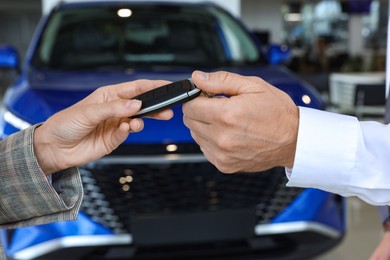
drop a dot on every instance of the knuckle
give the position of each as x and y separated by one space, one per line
137 86
100 90
227 143
236 115
224 77
231 117
222 142
228 118
255 79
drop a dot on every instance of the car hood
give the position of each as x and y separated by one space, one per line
47 92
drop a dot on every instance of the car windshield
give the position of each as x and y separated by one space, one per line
102 37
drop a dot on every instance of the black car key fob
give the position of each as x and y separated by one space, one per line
166 96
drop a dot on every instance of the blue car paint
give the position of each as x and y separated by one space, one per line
9 57
25 237
41 89
313 205
277 54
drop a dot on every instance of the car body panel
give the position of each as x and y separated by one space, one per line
31 238
40 92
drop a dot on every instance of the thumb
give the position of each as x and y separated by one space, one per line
223 82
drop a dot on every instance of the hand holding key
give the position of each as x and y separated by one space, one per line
252 130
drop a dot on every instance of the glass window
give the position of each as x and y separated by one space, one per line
99 38
321 31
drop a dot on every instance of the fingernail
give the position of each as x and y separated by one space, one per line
201 75
133 104
135 125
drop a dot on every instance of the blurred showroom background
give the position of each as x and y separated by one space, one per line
322 38
332 48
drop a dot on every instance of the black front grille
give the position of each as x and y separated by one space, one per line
114 192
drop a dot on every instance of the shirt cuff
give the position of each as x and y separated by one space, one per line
325 151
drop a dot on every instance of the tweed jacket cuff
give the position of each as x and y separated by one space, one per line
26 195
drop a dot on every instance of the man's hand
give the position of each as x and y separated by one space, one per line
253 130
93 127
382 252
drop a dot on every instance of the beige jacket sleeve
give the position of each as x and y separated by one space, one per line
26 195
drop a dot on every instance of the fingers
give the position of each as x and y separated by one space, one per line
223 82
136 125
199 130
120 134
127 90
95 113
128 125
125 127
162 115
207 109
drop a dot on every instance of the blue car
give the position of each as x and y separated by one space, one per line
156 196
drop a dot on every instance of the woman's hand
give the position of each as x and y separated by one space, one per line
93 127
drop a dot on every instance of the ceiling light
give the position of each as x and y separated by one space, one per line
124 12
293 17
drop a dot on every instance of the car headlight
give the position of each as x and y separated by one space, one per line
306 99
13 120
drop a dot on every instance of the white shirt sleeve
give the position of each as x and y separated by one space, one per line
339 154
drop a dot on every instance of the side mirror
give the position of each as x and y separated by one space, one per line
9 58
278 54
